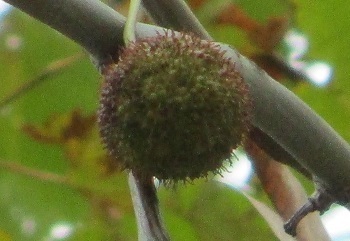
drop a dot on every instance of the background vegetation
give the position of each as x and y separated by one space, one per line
56 182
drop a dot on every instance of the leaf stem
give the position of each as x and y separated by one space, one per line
90 23
130 24
54 68
143 194
34 173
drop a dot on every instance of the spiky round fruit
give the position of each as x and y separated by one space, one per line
173 107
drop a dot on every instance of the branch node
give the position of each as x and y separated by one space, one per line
321 201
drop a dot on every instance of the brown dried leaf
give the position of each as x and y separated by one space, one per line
60 128
78 135
265 36
268 36
195 4
232 14
79 126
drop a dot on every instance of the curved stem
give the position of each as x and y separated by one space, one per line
144 198
90 23
34 173
130 25
51 70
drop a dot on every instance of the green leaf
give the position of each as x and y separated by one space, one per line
32 210
328 43
215 212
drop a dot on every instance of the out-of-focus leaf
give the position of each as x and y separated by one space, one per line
215 212
91 171
5 236
258 37
274 220
179 228
89 163
127 228
74 88
194 4
31 209
62 128
328 42
265 35
263 11
96 229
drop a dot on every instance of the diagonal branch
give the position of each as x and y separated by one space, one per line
90 23
34 173
51 70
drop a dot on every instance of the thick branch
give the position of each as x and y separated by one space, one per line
294 126
90 23
277 111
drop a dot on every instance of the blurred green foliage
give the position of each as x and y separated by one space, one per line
94 204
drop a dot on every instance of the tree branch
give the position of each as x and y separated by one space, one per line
294 126
277 111
90 23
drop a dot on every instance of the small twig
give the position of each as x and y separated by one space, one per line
45 176
49 71
285 191
291 226
289 70
130 24
34 173
275 59
143 194
320 201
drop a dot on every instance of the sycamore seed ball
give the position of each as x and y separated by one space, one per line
173 107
